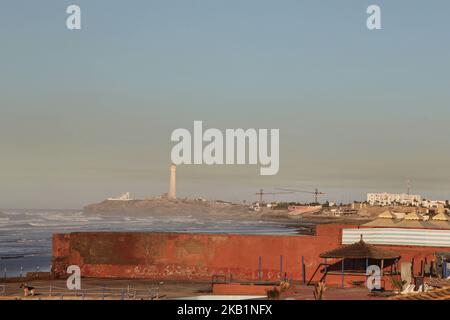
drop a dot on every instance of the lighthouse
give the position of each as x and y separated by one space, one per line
173 182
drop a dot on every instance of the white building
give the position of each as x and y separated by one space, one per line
430 204
123 197
387 199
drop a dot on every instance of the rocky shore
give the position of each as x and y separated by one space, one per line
164 206
155 207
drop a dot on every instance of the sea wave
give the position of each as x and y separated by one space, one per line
4 221
29 232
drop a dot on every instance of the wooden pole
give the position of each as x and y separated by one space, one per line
281 267
303 270
343 272
260 268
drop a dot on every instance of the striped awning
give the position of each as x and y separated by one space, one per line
398 236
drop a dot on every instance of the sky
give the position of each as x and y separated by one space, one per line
87 114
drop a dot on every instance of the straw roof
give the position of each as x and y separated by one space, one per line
414 224
437 294
386 215
382 222
439 283
440 217
360 250
413 216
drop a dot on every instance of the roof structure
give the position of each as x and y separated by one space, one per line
386 215
440 217
360 250
413 216
382 222
439 282
437 294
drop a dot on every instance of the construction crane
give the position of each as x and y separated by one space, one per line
316 192
261 193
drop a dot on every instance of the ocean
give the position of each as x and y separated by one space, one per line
25 235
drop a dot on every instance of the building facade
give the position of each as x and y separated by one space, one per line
387 199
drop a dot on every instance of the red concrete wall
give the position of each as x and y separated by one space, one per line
189 256
180 256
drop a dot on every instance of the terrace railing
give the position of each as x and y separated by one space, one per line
326 265
98 293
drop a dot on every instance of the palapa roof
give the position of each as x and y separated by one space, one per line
360 250
439 283
382 222
437 294
413 216
440 217
414 224
386 215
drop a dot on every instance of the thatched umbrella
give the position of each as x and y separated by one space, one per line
360 250
386 215
441 216
413 216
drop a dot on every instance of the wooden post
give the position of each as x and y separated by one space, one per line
343 272
303 270
444 269
260 268
281 267
382 267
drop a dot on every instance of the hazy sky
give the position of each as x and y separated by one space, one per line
88 114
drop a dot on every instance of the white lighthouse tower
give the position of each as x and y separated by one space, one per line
173 182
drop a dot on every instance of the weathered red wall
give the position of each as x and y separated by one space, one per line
199 256
189 256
